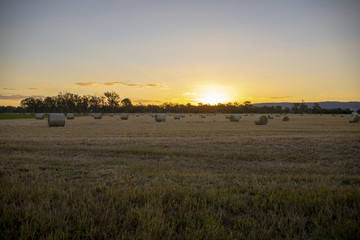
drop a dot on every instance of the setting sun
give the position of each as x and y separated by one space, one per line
213 95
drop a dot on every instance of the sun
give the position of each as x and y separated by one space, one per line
213 95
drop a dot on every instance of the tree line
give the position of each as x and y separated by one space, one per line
111 102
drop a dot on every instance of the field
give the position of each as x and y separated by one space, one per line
181 179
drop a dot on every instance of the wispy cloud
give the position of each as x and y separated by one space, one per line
86 84
138 85
19 97
112 83
33 89
9 89
282 97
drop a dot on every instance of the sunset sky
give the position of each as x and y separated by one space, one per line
181 51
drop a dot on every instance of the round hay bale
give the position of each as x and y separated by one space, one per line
227 116
111 114
160 117
260 120
97 115
270 116
39 116
278 115
70 116
182 115
203 115
177 116
235 117
285 118
354 118
124 116
56 120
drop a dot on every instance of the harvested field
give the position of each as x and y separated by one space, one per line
189 179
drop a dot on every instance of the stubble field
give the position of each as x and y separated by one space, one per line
181 179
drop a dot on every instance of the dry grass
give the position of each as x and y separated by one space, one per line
195 178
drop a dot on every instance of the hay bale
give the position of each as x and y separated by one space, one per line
278 115
137 115
160 117
97 115
111 114
182 115
260 120
177 116
354 118
70 116
245 114
235 117
227 116
203 115
270 116
56 120
285 118
39 116
124 116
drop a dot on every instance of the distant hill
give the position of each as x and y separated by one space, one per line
325 105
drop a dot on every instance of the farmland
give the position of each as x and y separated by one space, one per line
192 178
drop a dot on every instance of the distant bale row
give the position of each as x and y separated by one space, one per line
354 118
235 117
97 115
70 116
124 116
260 120
40 116
56 120
160 117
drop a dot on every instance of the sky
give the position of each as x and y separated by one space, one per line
181 51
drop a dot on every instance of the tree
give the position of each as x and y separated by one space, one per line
295 108
112 100
316 108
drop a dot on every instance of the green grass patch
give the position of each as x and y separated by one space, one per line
16 116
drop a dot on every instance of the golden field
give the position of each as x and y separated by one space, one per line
192 178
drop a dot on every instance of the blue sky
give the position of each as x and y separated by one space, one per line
181 51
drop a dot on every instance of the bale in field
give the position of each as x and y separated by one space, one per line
235 117
56 120
270 116
111 114
182 115
260 120
137 115
278 115
203 115
70 116
285 118
124 116
177 116
160 117
227 116
39 116
354 118
245 114
97 115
